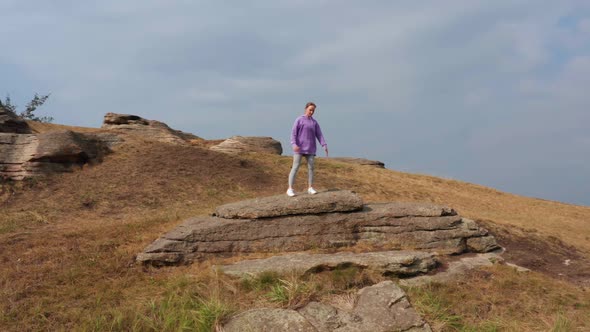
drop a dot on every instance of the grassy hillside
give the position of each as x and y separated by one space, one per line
67 245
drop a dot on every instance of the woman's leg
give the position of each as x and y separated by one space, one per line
294 169
310 167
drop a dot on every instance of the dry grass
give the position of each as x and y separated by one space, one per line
501 299
67 243
41 127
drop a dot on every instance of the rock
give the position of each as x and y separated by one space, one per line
381 226
385 307
482 244
382 307
455 269
283 205
11 123
27 155
124 119
149 129
360 161
391 263
326 318
268 320
238 144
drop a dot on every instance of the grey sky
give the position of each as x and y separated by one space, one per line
491 92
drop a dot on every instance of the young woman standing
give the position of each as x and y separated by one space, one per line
303 136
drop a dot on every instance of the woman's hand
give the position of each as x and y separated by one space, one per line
326 149
296 148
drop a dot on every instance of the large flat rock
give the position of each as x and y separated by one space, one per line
389 226
283 205
395 263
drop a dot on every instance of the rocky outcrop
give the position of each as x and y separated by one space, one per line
360 161
381 226
27 155
379 308
11 123
150 129
238 144
390 263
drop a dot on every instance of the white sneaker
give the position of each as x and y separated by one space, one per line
311 191
290 192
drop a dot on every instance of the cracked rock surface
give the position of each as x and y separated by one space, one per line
379 308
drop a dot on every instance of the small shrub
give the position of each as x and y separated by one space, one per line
291 293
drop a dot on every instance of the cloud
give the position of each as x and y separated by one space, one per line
475 90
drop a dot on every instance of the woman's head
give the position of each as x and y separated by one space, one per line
309 109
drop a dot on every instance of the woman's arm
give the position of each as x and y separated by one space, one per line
320 137
294 135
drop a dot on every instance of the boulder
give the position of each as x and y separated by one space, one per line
383 226
149 129
269 320
27 155
360 161
238 144
11 123
385 307
390 263
382 307
326 318
283 205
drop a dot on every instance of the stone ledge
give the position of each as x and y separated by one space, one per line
283 205
394 263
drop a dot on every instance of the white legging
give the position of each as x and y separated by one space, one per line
296 162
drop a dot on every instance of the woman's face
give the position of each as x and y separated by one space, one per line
309 111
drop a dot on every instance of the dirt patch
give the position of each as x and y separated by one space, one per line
547 255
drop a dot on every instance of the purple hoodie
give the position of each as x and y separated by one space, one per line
304 133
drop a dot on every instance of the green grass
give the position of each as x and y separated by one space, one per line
186 306
562 323
18 221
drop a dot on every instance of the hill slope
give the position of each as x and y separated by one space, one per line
67 242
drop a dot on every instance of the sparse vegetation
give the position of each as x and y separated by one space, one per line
30 108
501 299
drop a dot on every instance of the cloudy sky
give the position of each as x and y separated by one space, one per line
490 92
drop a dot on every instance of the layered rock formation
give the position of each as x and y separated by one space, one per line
149 129
327 220
389 263
360 161
27 155
237 144
379 308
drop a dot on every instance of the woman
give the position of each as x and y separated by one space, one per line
305 131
